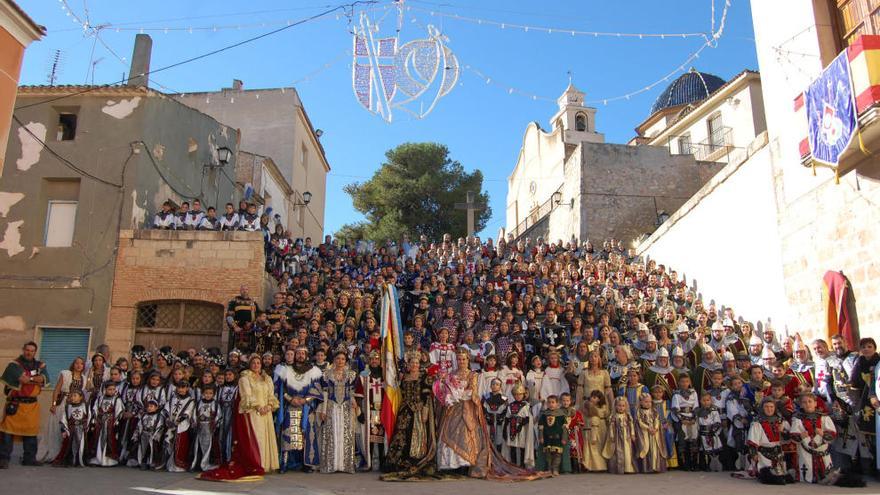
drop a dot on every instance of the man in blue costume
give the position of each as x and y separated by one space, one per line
296 421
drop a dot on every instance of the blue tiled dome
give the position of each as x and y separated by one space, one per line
691 87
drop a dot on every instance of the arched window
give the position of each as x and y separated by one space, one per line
580 122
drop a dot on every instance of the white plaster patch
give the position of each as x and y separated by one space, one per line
138 214
12 238
15 323
122 108
30 147
8 200
159 151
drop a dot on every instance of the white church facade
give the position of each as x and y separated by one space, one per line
568 183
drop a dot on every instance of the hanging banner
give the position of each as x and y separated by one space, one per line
831 112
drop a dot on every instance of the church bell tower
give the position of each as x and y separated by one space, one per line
577 122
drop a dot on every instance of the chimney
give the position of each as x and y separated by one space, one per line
138 75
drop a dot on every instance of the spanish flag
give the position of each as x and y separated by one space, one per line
840 308
392 353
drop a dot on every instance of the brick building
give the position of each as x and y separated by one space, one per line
172 287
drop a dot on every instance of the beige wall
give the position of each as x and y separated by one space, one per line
723 237
540 162
742 111
273 123
774 227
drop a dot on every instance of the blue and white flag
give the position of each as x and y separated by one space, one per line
831 112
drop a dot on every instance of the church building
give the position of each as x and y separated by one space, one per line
569 183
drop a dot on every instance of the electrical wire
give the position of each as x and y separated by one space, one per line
64 161
350 5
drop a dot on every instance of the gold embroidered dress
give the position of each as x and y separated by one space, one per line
258 391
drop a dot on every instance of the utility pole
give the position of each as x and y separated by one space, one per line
471 207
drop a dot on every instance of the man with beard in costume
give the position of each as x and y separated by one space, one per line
295 379
369 390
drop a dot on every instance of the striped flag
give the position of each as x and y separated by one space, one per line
392 353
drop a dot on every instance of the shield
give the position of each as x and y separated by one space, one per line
373 71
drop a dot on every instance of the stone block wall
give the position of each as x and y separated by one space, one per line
181 265
832 227
620 186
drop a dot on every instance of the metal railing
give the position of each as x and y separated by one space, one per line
536 215
709 150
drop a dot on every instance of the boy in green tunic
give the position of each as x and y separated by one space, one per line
553 434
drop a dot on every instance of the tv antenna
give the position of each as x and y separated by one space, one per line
55 62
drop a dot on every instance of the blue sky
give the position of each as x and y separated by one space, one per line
482 124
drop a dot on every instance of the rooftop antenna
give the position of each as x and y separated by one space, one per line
94 64
54 67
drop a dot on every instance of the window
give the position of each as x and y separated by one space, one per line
60 223
66 126
855 18
716 131
580 122
180 324
304 157
60 346
684 145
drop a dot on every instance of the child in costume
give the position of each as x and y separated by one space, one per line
650 440
518 437
132 410
709 426
684 403
74 426
552 434
738 409
595 431
572 457
209 416
150 433
179 413
226 396
812 433
106 415
620 442
661 405
632 388
495 409
766 435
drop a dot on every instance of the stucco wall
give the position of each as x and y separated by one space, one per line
540 162
724 240
70 286
270 125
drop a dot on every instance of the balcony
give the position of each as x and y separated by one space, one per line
709 150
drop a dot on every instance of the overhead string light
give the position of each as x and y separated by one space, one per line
555 30
709 42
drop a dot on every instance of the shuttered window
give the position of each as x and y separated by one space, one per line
59 346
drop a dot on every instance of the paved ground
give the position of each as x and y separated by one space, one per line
112 481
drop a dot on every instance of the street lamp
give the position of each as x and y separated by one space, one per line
223 155
307 198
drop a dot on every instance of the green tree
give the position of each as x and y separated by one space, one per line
414 192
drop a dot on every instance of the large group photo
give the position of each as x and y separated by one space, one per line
440 247
419 360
